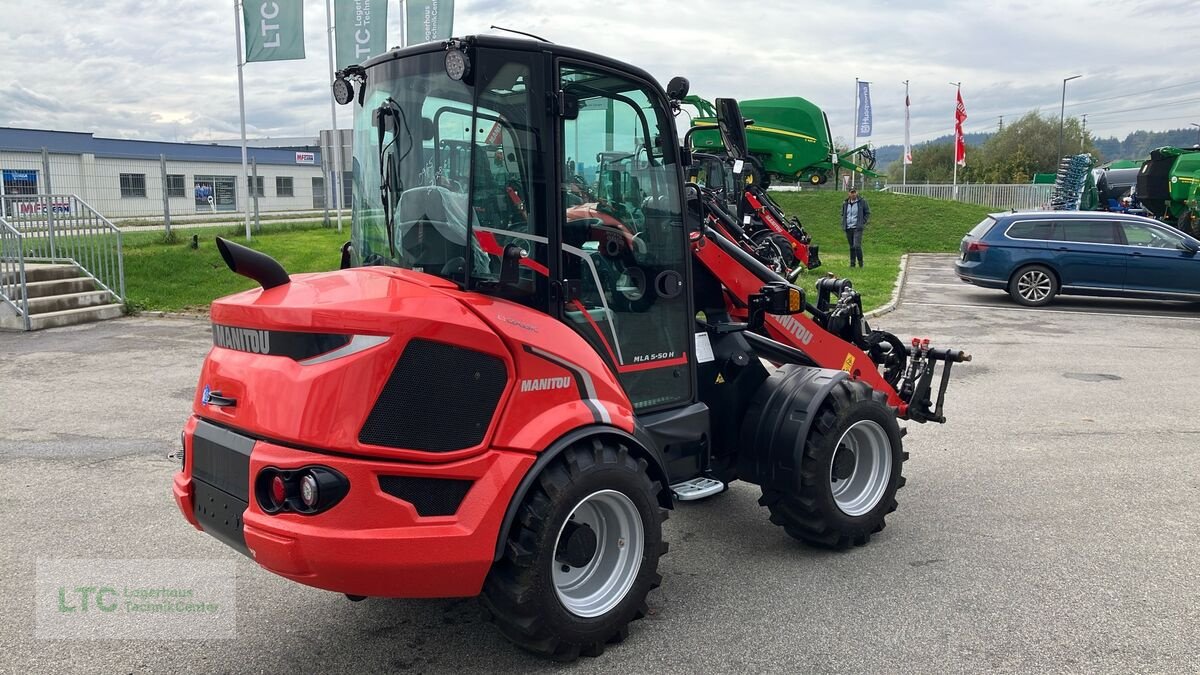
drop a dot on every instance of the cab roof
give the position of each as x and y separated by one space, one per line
519 44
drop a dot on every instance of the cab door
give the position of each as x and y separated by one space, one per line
624 254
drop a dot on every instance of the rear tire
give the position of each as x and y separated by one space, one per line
850 471
1033 286
582 554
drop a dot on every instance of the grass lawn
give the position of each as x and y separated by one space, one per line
899 224
175 277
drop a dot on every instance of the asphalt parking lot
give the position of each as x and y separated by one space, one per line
1050 525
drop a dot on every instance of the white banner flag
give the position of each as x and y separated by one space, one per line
907 142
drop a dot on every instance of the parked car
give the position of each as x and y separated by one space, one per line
1037 255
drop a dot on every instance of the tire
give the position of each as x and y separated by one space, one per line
1033 286
816 179
545 594
786 255
854 430
1189 222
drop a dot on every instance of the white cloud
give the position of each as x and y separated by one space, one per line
165 70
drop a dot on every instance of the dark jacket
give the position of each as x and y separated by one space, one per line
864 214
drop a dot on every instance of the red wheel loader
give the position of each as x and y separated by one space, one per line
495 398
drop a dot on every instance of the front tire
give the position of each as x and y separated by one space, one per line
849 472
582 554
787 257
1033 286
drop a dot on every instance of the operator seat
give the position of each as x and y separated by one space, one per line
431 231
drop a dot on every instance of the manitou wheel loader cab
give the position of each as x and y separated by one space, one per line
498 398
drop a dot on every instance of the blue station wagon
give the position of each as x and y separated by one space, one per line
1037 255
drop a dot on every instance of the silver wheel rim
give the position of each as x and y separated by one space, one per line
870 449
1034 285
598 586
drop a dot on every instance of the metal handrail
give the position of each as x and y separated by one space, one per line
13 291
63 228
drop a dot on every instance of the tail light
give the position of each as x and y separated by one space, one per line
278 490
976 247
308 490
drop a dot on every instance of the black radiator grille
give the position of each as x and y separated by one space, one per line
438 398
429 496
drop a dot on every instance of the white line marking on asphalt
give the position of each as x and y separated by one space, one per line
934 283
1054 311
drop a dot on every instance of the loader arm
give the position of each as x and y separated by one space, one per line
831 335
742 276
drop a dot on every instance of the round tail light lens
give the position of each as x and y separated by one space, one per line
278 490
308 491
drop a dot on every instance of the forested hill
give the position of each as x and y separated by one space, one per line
1136 145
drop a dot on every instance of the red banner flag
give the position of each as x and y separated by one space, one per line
960 147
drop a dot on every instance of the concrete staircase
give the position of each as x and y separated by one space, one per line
60 295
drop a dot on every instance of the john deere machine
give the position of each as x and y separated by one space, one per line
502 394
1168 185
789 137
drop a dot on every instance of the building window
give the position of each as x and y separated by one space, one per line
318 187
20 182
133 185
255 183
283 186
175 187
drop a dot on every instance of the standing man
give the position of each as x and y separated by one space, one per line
855 214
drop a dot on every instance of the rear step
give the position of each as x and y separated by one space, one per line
697 488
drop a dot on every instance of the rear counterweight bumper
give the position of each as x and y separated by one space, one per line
372 542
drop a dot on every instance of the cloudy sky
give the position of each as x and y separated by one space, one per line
166 69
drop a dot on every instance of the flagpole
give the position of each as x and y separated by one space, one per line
954 154
337 136
237 32
907 147
854 142
403 24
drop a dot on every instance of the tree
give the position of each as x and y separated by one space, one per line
933 163
1029 146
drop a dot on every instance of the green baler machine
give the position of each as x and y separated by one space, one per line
790 137
1169 186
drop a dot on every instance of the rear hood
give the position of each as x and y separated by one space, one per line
305 362
368 299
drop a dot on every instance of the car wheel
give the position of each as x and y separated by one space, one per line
1033 286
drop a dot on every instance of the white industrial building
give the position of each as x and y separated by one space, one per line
130 179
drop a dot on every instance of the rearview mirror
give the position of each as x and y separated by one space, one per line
1188 246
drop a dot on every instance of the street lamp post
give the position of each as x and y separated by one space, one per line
1062 114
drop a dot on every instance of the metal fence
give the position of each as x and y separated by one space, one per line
67 230
12 271
1022 197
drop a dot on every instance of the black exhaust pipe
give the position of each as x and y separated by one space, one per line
252 264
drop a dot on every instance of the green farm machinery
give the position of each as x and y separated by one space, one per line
1168 185
789 138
